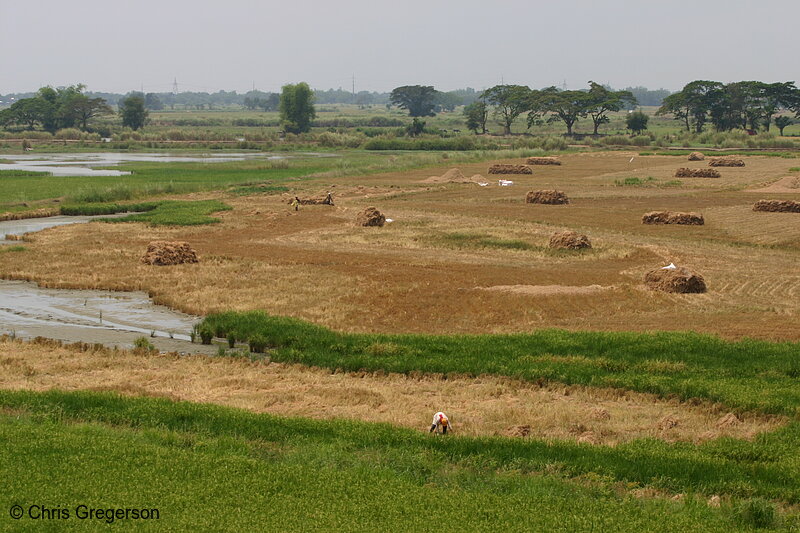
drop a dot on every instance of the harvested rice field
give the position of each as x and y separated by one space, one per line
427 270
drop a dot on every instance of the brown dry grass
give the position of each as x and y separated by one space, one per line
482 406
414 276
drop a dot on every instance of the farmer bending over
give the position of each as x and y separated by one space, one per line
440 421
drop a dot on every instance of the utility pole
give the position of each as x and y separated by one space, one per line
354 88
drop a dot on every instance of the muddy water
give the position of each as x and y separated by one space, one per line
28 225
66 164
107 317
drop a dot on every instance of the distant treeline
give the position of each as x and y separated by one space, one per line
267 101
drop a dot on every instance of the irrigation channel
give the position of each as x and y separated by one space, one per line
106 317
79 164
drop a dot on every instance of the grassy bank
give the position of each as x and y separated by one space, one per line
209 467
164 213
745 375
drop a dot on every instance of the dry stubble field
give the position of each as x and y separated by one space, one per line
430 269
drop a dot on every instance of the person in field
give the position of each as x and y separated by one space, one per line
440 423
296 203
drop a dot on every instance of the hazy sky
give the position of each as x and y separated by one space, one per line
119 46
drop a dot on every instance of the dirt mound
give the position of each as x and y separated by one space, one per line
569 240
454 175
543 161
696 156
728 420
549 197
725 162
169 253
681 280
777 206
789 184
697 173
670 217
370 217
518 431
510 169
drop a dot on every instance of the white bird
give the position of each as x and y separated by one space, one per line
389 220
670 266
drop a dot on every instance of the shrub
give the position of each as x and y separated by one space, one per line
258 343
143 344
206 334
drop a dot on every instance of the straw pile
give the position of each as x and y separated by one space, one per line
543 161
697 173
546 197
370 217
670 217
681 280
696 156
569 240
777 206
725 162
510 169
164 253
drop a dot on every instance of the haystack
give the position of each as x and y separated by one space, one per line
510 169
696 156
543 161
670 217
169 253
725 162
370 217
569 240
315 200
680 280
546 197
697 173
777 206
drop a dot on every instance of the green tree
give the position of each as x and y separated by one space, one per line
783 121
153 102
476 115
297 107
509 102
27 112
601 101
637 122
565 106
448 101
676 105
419 100
82 109
134 114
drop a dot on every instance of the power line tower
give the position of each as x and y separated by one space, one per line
354 88
175 87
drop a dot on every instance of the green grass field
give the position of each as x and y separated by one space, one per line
745 375
212 468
